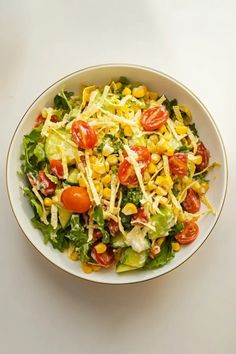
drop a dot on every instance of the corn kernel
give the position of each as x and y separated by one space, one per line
44 113
99 168
152 168
163 129
164 181
161 147
204 187
47 202
161 191
187 180
160 241
81 182
152 147
198 160
151 186
175 246
74 256
107 150
153 95
139 91
87 268
118 85
129 209
100 248
107 193
163 200
128 131
154 138
98 186
92 159
126 91
106 179
170 151
146 176
112 160
155 158
181 129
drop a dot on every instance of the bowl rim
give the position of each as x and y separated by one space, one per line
125 65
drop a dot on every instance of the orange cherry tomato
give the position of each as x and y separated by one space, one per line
105 259
39 120
76 199
204 153
192 201
83 135
57 168
140 216
178 164
188 234
46 186
113 226
126 172
154 118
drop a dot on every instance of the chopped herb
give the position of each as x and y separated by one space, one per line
194 129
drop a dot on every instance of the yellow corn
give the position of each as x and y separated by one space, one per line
87 268
47 202
204 187
92 159
128 131
170 151
181 217
112 160
163 200
160 241
155 158
175 246
81 182
100 247
153 138
126 91
118 85
161 147
163 129
164 181
74 256
107 150
153 95
98 186
151 186
99 168
161 191
44 113
107 193
106 179
146 176
152 168
198 160
152 147
107 166
181 129
139 91
129 209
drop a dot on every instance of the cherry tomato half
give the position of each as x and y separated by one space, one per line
140 216
113 226
83 135
57 168
76 199
97 234
126 172
46 186
192 201
189 233
178 164
204 153
105 259
154 118
39 120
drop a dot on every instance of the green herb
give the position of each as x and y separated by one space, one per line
61 100
165 255
77 233
202 177
126 221
169 106
99 220
184 148
178 227
115 143
131 195
32 153
124 80
194 129
37 207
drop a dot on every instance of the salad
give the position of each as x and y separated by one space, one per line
116 176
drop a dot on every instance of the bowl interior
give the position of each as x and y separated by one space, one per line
156 81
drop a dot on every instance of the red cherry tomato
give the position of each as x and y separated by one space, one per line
105 259
46 186
178 164
54 118
154 118
140 216
126 171
76 199
189 233
96 234
113 226
83 135
57 168
39 120
204 153
192 201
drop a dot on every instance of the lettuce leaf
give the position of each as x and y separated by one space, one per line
99 220
165 255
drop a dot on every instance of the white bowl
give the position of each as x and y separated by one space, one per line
99 75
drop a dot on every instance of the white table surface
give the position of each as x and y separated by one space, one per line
192 309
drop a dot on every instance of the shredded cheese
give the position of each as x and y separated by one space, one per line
178 113
88 171
44 216
54 220
118 216
114 189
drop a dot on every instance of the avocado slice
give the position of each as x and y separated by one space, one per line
73 177
64 216
118 241
133 259
124 268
